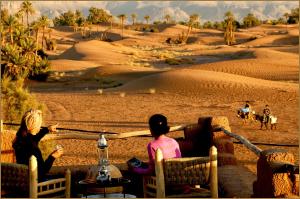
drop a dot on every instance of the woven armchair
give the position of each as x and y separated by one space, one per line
18 180
199 173
14 180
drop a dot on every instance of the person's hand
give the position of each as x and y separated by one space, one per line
58 153
52 128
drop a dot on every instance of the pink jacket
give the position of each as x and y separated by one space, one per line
169 147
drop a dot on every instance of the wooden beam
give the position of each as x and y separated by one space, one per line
213 171
108 136
68 183
159 172
1 126
246 142
33 177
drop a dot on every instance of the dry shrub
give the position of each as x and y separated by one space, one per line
177 61
16 100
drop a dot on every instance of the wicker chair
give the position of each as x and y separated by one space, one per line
18 180
201 172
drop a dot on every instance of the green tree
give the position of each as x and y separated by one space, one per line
229 31
16 99
294 16
44 22
122 18
207 24
218 25
11 23
65 19
133 17
79 19
167 18
147 18
97 15
27 7
250 20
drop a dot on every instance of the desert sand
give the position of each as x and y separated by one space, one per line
216 81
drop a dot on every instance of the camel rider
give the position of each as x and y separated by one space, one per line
267 113
246 109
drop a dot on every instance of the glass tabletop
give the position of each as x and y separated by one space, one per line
108 183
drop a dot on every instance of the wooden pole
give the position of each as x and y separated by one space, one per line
33 177
68 183
108 136
159 172
1 126
246 142
213 154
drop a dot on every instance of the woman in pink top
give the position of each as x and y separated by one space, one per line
159 127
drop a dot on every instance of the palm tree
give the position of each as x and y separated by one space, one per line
111 19
147 18
49 33
193 18
286 15
15 61
36 28
228 34
20 33
3 32
44 23
11 23
122 18
133 16
167 18
28 46
27 7
75 27
20 15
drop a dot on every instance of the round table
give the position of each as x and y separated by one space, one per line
114 182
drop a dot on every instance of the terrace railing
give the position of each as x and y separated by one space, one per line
271 163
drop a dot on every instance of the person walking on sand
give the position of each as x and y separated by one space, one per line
27 139
266 116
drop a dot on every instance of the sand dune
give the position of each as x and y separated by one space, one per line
185 92
265 64
198 82
276 40
70 65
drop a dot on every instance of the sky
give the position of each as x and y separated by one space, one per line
178 10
